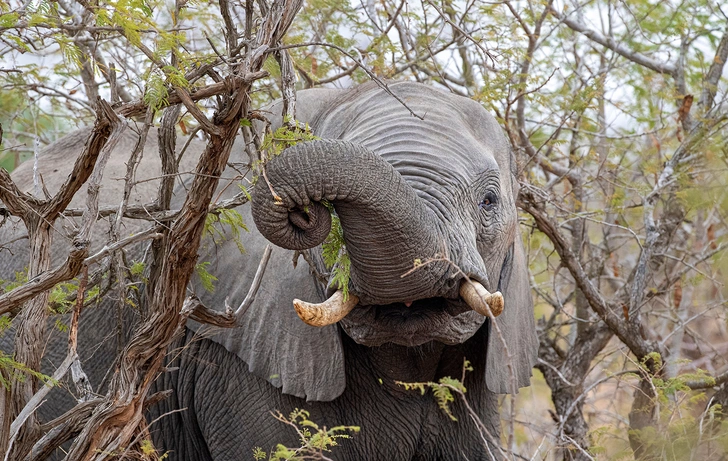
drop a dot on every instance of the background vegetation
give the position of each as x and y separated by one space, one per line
617 113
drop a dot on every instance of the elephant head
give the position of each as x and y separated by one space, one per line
425 205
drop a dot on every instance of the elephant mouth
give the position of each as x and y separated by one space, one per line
433 319
450 321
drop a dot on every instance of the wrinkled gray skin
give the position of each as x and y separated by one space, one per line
404 189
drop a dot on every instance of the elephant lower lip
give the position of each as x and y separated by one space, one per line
430 306
425 320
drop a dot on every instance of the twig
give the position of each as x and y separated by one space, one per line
609 42
565 416
229 319
140 107
79 377
371 74
37 400
460 29
150 233
250 297
626 331
555 370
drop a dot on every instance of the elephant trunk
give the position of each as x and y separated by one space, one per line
387 228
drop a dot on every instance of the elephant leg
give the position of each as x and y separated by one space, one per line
464 438
227 411
218 410
173 421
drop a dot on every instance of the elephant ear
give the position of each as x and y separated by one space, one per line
302 360
517 327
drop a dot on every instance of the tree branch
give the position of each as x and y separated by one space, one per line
710 82
612 44
230 319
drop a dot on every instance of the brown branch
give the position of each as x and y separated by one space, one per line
707 384
30 335
152 212
710 83
231 32
17 203
229 319
628 333
79 377
148 212
565 375
106 121
131 167
140 107
62 429
612 44
288 91
195 111
238 199
45 281
167 140
275 25
114 423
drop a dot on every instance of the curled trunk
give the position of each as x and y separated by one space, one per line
379 212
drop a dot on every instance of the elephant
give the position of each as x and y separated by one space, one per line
423 185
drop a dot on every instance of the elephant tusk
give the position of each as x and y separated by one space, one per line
326 313
481 300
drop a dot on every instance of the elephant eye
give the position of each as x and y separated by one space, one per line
488 202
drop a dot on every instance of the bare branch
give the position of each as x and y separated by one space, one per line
710 82
371 75
108 130
627 332
37 400
612 44
61 429
229 319
140 107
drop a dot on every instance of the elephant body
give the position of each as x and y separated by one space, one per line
453 169
396 424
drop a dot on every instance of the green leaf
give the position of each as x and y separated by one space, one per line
137 268
8 20
206 278
16 371
335 256
155 94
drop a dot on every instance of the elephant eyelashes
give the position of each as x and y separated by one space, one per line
488 202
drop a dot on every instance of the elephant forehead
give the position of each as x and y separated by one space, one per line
447 139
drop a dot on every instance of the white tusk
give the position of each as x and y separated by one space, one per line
481 300
326 313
